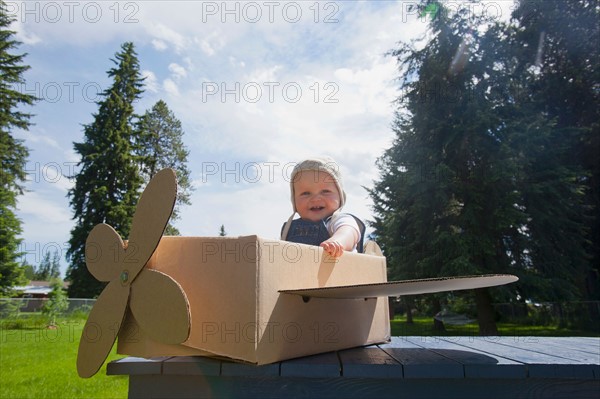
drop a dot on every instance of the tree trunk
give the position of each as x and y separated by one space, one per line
409 305
437 324
392 311
485 312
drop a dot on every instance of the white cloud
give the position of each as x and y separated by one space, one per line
264 74
171 87
41 138
81 24
177 70
44 211
23 36
46 226
159 44
207 48
254 205
189 62
150 81
165 36
51 175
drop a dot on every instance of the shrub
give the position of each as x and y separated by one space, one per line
57 302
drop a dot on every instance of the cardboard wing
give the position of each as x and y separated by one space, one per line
243 298
405 287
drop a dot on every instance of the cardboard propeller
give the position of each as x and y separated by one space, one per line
145 291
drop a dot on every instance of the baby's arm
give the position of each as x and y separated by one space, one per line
344 239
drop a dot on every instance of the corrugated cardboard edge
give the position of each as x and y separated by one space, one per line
405 287
257 302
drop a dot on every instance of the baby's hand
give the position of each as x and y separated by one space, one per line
333 248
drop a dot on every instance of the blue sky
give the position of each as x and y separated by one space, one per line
257 86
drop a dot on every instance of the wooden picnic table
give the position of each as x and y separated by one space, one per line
407 367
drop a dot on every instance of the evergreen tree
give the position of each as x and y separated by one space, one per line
42 273
445 202
55 268
160 145
481 177
108 184
57 303
559 61
13 153
28 270
49 267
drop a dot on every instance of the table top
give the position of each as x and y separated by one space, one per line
406 358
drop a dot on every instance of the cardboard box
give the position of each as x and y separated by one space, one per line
237 311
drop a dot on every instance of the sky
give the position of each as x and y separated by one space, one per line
257 85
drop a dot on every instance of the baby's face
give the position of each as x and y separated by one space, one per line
315 195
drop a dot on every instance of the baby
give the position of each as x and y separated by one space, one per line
318 196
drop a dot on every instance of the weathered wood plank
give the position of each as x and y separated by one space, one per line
231 369
192 365
323 365
590 344
552 348
583 349
400 342
584 344
135 366
369 362
418 362
477 364
539 364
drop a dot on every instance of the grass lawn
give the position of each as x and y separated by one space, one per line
423 326
37 362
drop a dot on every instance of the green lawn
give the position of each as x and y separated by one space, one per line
423 326
37 362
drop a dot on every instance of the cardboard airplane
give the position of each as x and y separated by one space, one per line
247 298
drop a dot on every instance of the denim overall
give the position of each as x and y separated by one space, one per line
314 233
308 232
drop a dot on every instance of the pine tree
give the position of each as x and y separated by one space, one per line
49 267
42 272
13 153
57 303
28 270
559 60
481 177
445 201
160 145
55 267
107 186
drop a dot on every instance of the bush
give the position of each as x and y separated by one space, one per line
10 308
81 313
57 303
